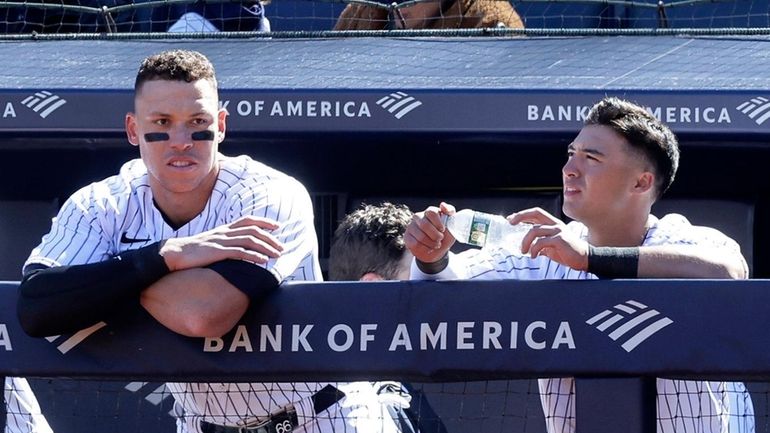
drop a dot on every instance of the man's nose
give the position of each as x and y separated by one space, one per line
180 138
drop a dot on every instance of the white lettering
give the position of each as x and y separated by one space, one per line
529 338
241 339
224 104
684 114
276 110
265 335
400 338
364 110
213 344
491 333
547 113
331 338
724 116
463 335
532 112
295 108
310 108
326 109
427 334
365 335
584 110
298 338
708 115
243 108
565 112
348 108
514 334
563 336
258 107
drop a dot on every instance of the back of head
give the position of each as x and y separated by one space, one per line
646 134
370 240
175 65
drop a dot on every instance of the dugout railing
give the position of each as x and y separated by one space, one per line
441 331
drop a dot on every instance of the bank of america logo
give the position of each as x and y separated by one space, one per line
399 104
76 338
43 103
631 322
758 109
157 391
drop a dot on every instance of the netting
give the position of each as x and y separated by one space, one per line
512 406
323 18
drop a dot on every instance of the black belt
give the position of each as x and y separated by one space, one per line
284 421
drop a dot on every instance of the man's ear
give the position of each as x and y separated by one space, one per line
645 182
131 133
371 276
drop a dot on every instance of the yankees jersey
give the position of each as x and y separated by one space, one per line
117 214
683 406
22 410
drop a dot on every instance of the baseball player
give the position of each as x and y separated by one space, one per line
620 163
368 245
22 410
195 237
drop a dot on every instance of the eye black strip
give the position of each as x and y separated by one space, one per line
155 136
206 135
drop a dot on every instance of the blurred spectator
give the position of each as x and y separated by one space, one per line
430 14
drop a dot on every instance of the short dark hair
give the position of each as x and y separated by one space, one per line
371 239
643 132
175 65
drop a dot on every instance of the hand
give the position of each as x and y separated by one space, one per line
427 237
247 238
549 237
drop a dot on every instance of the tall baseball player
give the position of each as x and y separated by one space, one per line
195 237
23 413
620 163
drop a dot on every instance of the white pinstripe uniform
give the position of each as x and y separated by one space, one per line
683 406
89 227
23 411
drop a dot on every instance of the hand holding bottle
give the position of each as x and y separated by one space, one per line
426 236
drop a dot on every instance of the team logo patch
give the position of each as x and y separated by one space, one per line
631 322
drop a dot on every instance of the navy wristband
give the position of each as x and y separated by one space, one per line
612 262
435 267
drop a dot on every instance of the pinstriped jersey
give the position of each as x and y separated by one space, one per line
118 214
22 409
683 406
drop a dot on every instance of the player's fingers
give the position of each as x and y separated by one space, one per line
251 220
446 208
533 215
246 254
417 243
425 228
257 233
544 247
534 234
252 243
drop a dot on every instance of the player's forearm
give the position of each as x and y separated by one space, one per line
690 261
195 302
69 298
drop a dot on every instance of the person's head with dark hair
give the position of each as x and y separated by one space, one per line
643 132
177 124
369 245
175 65
619 164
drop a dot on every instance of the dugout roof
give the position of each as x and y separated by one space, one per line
475 86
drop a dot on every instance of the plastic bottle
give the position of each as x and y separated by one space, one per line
486 230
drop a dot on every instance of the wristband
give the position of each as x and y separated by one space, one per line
612 262
434 267
149 265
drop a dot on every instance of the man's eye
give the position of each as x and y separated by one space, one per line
161 122
199 121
